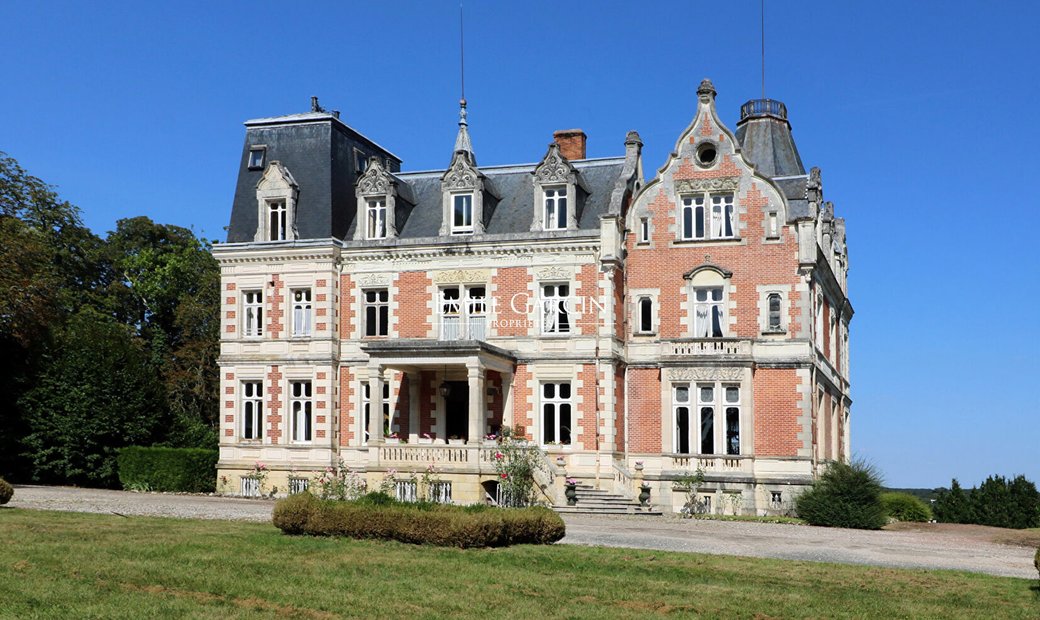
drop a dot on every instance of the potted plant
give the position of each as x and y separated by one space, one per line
639 465
571 491
392 438
425 439
644 494
455 440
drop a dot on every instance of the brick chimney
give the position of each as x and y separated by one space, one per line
572 143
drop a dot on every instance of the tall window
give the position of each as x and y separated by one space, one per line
377 312
772 225
256 157
695 223
276 224
681 414
644 230
706 412
716 429
375 219
301 310
775 318
464 313
252 314
646 315
462 214
722 216
708 313
556 413
693 217
300 410
252 402
555 216
555 309
366 403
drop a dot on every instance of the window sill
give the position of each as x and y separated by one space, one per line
557 335
644 334
720 240
775 332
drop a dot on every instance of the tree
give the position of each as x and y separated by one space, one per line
953 506
845 495
97 392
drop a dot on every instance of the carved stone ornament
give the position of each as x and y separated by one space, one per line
701 373
553 273
554 168
814 186
719 184
460 176
375 279
376 180
461 275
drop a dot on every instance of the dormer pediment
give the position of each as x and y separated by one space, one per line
555 192
276 177
461 175
376 180
554 168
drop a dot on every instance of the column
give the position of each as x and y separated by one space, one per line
507 399
414 378
477 403
375 404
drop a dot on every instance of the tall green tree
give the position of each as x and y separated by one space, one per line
953 506
97 392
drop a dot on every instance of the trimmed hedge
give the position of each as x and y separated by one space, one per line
6 491
905 507
377 516
190 470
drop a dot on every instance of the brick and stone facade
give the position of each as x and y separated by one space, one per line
636 331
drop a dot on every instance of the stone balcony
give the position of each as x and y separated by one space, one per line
735 349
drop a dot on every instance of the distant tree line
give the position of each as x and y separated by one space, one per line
104 342
998 501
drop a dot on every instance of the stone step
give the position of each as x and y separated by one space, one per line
579 510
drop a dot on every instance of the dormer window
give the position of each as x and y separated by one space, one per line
256 157
555 193
276 195
376 194
375 218
276 223
462 214
555 216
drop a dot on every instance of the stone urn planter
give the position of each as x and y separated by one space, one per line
644 495
571 492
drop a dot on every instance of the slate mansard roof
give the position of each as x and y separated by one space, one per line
321 152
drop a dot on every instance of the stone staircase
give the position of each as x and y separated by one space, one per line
593 501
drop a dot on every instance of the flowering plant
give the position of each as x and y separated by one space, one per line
491 437
340 483
516 463
571 482
393 435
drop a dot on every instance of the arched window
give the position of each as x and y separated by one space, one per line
775 318
646 315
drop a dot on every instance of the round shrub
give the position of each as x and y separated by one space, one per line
6 491
292 513
905 507
845 495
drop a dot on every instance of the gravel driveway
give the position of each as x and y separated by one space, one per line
946 550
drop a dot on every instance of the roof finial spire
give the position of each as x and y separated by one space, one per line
462 141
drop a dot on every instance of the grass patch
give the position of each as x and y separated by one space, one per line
62 565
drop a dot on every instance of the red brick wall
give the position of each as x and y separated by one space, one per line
427 397
275 312
401 395
496 400
644 401
414 319
619 409
347 405
274 404
776 412
588 290
509 282
588 412
522 394
347 315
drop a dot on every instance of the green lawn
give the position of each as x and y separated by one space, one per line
65 565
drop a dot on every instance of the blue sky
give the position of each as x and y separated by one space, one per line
921 115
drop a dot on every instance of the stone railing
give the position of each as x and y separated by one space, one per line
624 481
738 464
763 107
705 347
443 456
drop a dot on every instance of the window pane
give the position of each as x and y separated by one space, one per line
548 423
565 390
699 210
732 394
702 294
565 423
707 430
549 390
645 315
384 320
682 394
371 328
682 430
707 394
716 294
732 430
561 212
